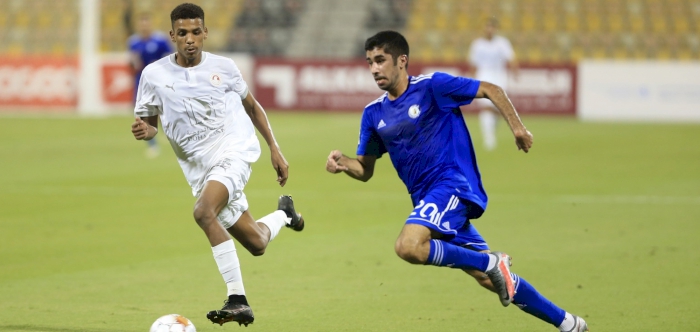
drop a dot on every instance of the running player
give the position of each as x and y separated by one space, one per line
418 122
208 114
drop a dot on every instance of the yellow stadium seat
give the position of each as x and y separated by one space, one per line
463 21
615 24
680 25
658 24
637 24
550 24
571 23
450 55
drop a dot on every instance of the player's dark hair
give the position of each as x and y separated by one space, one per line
186 10
391 41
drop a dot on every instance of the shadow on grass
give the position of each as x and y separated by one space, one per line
33 328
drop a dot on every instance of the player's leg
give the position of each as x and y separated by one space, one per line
255 235
224 184
212 199
425 239
488 117
526 297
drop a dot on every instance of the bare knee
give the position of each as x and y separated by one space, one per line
257 250
412 250
204 215
256 246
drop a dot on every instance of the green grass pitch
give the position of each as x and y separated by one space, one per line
603 219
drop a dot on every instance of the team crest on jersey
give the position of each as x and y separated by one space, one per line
414 111
215 79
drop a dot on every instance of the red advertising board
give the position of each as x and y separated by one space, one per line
333 85
117 83
38 82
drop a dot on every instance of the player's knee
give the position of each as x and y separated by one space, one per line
203 215
257 251
256 247
410 250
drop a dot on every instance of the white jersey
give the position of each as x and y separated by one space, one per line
491 57
200 111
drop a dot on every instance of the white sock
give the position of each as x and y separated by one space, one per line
488 119
275 221
492 262
568 323
229 266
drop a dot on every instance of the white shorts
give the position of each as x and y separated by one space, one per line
234 174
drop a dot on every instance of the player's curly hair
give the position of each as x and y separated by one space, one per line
186 10
391 41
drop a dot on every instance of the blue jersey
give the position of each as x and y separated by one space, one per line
426 137
149 50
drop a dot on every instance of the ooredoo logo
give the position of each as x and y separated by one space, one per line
38 84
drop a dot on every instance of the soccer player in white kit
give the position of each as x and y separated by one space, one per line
208 115
491 55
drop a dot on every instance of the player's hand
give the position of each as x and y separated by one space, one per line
333 164
523 139
280 165
140 129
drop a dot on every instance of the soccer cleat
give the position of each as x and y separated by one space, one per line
579 325
501 279
232 312
286 204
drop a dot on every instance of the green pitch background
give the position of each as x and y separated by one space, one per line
602 218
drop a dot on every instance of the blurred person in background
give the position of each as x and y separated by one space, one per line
491 56
145 47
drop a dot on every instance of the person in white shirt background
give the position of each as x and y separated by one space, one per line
491 58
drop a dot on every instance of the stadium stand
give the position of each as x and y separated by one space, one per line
541 31
264 27
560 31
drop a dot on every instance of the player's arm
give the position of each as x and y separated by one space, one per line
523 138
145 128
360 168
262 124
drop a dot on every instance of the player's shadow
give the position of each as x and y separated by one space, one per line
33 328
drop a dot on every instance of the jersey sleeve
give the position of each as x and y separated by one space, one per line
236 82
370 143
451 92
147 101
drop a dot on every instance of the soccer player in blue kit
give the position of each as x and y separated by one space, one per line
145 47
419 123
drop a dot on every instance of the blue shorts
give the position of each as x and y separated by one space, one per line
445 213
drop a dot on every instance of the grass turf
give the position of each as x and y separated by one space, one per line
601 218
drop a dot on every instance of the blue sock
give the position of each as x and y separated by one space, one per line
531 301
152 143
450 255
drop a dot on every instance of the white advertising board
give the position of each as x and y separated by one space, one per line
660 91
